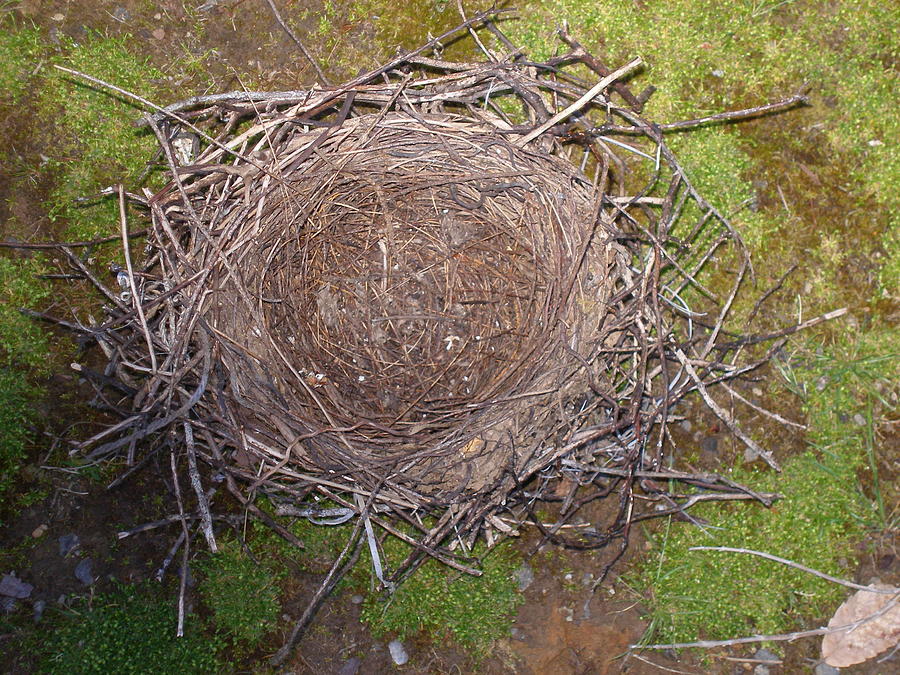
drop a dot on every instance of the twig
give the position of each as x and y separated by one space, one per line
319 73
335 574
588 96
202 501
182 588
791 563
135 296
723 414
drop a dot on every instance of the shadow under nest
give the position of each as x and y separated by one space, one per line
428 299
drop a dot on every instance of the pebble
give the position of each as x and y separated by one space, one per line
822 383
750 455
757 392
859 420
39 531
57 17
83 572
524 576
350 667
517 634
709 444
7 605
765 655
825 669
39 607
398 652
158 34
68 543
13 587
356 599
121 14
686 426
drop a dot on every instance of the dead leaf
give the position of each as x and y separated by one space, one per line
849 647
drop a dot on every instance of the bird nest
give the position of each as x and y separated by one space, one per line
433 295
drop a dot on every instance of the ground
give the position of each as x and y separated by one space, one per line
816 188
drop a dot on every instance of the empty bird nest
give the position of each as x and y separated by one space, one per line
428 298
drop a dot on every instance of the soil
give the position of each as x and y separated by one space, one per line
553 632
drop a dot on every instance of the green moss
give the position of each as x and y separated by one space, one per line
715 595
127 632
22 341
242 595
98 144
20 52
16 412
440 602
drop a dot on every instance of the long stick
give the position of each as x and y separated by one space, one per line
581 102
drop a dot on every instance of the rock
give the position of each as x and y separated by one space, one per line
39 531
7 605
158 34
825 669
39 607
350 667
686 426
121 14
83 572
517 634
859 420
13 587
524 576
765 655
750 455
356 599
398 652
709 444
57 17
68 543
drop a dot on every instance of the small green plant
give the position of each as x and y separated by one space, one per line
242 595
441 602
127 632
15 414
20 50
22 341
711 595
98 144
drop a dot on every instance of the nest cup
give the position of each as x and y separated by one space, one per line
396 307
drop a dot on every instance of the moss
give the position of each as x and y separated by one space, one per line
16 412
20 51
242 595
442 603
715 595
22 342
98 144
127 632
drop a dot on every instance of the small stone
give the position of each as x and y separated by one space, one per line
875 143
762 670
766 655
757 392
709 444
398 652
39 531
718 73
158 34
68 543
568 576
7 605
524 576
821 383
517 633
39 607
350 667
750 455
121 14
859 420
57 17
825 669
83 572
13 587
356 599
686 426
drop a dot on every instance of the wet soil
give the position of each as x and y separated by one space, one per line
561 628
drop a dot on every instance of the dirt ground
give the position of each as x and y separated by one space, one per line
556 631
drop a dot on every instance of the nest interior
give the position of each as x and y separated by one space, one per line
401 296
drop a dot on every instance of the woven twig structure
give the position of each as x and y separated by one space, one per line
437 293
